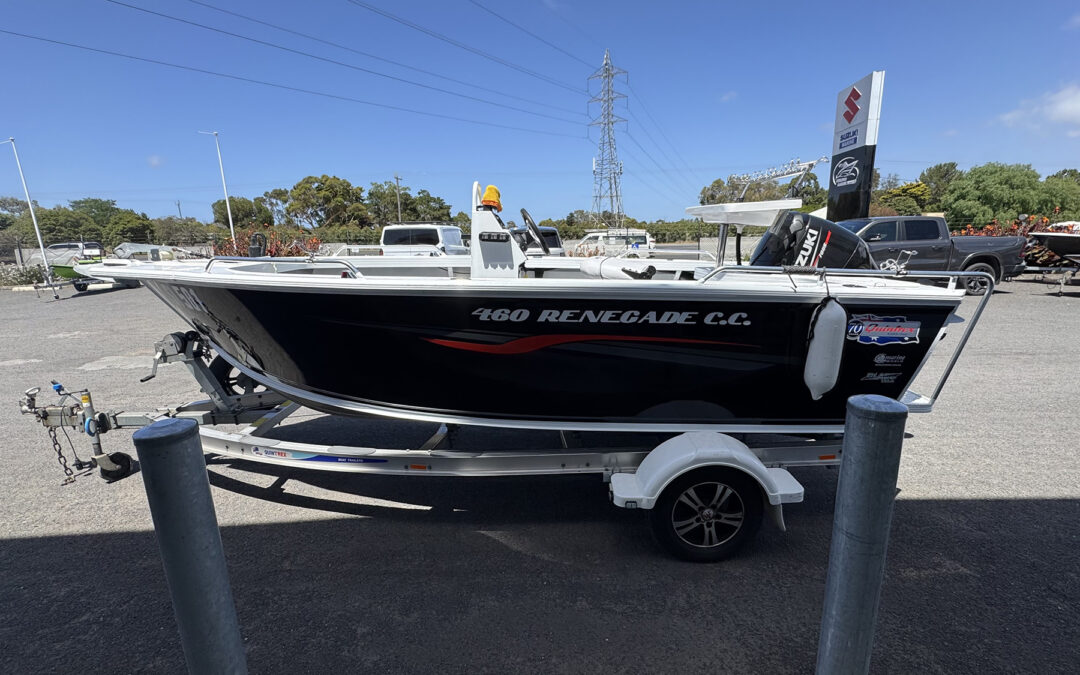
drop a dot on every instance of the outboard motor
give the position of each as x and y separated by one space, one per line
801 240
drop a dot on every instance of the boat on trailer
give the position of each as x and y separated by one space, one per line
771 350
778 345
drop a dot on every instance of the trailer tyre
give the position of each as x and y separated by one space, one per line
123 461
234 381
708 514
978 285
80 286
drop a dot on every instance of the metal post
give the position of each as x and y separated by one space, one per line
873 436
224 188
397 180
33 218
174 473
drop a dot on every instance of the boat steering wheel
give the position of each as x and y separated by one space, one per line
535 233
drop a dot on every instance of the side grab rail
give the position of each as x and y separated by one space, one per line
238 259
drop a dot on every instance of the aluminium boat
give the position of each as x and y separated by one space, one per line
777 345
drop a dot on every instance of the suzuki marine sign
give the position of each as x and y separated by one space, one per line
858 112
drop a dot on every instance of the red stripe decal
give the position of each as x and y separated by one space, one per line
535 342
821 251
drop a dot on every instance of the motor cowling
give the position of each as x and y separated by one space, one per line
801 240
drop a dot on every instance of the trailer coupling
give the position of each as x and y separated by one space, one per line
75 410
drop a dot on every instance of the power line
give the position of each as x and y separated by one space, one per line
461 45
665 172
530 33
286 87
340 63
377 57
659 147
659 128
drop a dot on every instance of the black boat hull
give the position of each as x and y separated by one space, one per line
554 360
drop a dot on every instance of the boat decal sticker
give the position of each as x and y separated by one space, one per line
871 329
536 342
612 316
889 360
312 457
884 378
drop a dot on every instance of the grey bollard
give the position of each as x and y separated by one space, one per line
174 473
873 436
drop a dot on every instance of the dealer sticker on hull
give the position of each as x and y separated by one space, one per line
871 329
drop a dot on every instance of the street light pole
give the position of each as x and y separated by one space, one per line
397 179
33 218
224 188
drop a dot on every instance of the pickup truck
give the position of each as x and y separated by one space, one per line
927 237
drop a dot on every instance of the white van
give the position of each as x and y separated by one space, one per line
613 242
423 239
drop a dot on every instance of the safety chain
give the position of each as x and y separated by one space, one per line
60 457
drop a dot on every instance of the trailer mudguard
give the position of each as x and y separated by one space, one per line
695 450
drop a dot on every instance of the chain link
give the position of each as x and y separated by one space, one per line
60 457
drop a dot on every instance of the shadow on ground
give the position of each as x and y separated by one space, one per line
503 575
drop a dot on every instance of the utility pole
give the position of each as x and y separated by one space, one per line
607 169
178 209
397 179
228 209
33 218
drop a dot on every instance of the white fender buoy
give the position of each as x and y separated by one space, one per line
826 348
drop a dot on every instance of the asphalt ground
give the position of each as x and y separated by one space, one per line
336 573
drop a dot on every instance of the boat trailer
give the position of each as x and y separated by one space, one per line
738 483
706 490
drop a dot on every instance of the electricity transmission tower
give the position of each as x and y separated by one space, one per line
607 169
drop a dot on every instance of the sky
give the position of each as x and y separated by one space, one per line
444 93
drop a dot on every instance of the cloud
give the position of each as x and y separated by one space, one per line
1053 109
1073 22
728 96
155 161
949 132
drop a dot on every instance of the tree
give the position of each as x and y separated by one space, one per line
126 225
909 199
428 207
276 201
1067 174
245 213
462 218
720 192
938 178
327 200
10 209
178 231
1062 193
382 202
809 191
100 211
1001 191
57 225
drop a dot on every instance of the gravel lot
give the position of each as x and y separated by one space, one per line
337 573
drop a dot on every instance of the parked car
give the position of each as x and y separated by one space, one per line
927 237
419 238
616 241
551 237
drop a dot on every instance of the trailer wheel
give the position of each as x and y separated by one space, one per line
122 460
80 286
233 380
978 285
708 514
